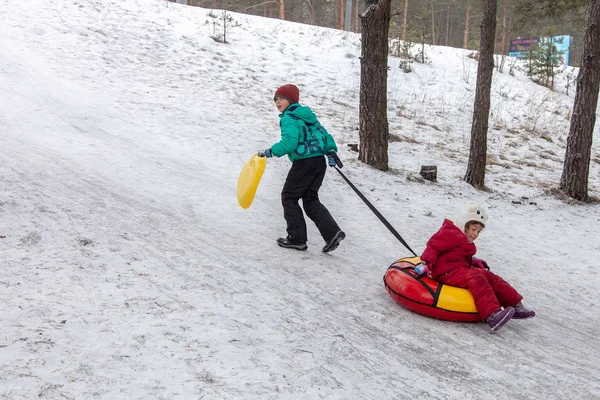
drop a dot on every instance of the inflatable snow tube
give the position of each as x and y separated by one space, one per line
427 296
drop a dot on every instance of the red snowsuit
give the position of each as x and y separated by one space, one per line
450 255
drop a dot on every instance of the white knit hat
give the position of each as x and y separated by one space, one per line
474 212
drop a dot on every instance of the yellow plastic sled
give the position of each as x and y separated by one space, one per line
249 179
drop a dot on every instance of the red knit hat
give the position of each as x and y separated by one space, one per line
288 92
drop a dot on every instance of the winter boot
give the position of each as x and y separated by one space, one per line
523 313
285 242
334 242
499 318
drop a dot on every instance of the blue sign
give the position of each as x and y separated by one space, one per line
521 47
563 47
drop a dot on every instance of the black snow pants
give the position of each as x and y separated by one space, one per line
303 182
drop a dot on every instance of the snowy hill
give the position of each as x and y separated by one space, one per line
128 271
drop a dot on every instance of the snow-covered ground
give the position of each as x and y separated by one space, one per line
128 271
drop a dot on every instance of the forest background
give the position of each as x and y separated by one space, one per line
454 23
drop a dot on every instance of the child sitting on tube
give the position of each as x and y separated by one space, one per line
448 258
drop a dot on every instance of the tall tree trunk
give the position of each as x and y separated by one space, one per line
448 23
374 129
450 40
424 25
354 15
348 15
467 16
281 10
432 24
289 10
313 13
404 19
576 169
504 30
475 175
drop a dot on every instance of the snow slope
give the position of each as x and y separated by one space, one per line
128 271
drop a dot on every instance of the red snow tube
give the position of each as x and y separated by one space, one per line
427 296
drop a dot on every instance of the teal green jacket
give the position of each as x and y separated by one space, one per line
302 136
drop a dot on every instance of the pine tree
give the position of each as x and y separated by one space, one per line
475 175
374 130
576 170
545 60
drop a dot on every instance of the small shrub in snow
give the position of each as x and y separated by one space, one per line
511 66
570 80
222 23
406 66
499 62
474 55
409 52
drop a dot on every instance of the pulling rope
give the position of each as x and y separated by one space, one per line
371 206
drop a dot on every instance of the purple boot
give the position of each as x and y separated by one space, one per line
523 313
499 318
